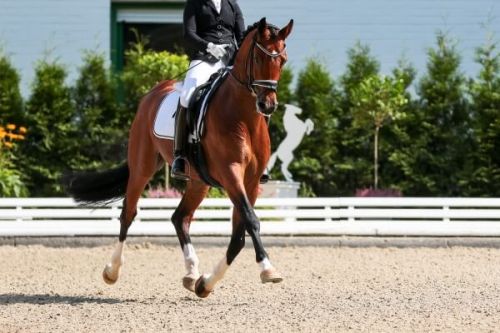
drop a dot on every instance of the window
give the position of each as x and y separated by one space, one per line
160 23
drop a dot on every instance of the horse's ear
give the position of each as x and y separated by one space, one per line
262 25
284 32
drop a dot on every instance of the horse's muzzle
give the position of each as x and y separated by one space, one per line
267 108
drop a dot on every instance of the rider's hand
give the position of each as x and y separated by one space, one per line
218 51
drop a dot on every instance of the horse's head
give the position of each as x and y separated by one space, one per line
262 55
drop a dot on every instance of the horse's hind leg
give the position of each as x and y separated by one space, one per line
193 196
143 163
135 187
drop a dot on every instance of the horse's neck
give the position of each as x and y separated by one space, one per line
238 101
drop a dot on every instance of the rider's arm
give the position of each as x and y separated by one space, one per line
190 36
239 27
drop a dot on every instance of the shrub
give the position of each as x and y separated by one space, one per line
144 69
11 179
98 118
53 141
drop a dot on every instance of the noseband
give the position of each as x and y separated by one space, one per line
251 83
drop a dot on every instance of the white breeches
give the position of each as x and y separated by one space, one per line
199 73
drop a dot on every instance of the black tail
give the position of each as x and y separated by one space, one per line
98 187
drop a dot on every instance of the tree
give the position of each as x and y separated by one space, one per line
315 157
353 169
11 103
97 118
377 101
400 136
485 95
52 142
436 158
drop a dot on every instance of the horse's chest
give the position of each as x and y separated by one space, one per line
258 150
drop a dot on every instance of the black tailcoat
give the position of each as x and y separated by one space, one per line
203 24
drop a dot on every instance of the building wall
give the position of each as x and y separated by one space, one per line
325 29
57 29
392 28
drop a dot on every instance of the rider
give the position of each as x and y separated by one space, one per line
212 31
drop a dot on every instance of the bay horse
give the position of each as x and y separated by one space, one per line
237 146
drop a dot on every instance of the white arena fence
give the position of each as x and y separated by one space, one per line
279 216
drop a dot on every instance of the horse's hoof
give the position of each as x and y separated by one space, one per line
107 278
200 289
270 275
189 282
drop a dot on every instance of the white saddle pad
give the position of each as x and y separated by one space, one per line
164 127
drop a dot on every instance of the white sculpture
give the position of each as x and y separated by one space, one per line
295 130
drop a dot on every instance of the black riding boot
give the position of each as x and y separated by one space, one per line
180 163
265 175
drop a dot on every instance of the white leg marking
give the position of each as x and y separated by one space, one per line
265 264
217 274
191 260
117 260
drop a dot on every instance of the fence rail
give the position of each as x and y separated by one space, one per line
279 216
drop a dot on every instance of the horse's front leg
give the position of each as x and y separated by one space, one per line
244 218
252 225
206 283
193 196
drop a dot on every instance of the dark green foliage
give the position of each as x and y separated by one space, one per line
52 138
360 66
444 143
354 143
99 122
144 69
11 103
484 179
400 134
378 101
316 155
435 160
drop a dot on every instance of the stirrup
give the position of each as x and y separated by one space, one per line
179 168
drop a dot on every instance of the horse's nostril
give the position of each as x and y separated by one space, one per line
261 105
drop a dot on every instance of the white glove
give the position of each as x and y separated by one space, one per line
218 51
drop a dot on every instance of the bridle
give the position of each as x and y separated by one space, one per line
251 83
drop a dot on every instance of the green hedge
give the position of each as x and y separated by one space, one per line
443 141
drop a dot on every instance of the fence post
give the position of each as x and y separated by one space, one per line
19 210
114 209
446 210
328 210
350 213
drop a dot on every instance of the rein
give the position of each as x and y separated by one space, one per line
251 83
